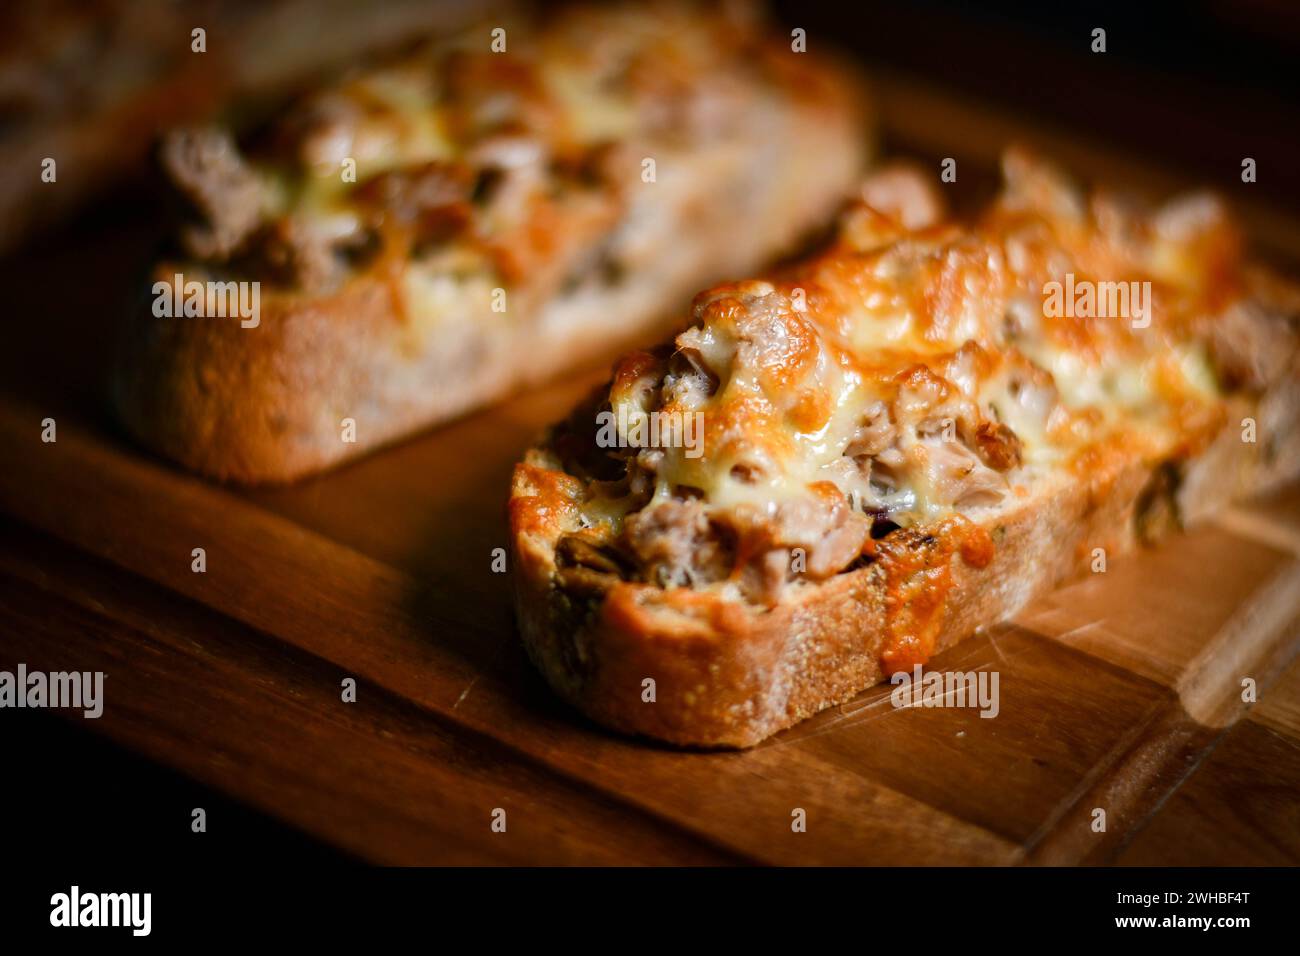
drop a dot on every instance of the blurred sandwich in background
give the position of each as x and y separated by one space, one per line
509 200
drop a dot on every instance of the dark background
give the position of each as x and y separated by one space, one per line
1201 85
1195 85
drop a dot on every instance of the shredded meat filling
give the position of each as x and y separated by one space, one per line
674 544
679 543
206 167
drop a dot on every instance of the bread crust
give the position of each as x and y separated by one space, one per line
728 674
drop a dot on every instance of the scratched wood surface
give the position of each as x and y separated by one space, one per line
1122 691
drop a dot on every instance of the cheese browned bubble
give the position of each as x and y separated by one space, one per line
917 376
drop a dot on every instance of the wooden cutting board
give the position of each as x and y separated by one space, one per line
1122 692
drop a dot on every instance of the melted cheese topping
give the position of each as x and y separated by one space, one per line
948 336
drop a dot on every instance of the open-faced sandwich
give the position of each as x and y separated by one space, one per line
500 205
835 473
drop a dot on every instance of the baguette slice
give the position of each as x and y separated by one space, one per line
903 442
513 214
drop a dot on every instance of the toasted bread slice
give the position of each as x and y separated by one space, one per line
502 205
904 440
